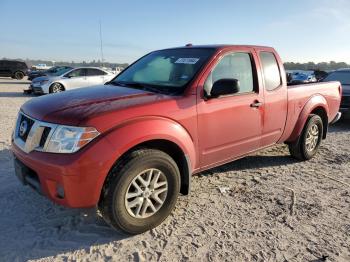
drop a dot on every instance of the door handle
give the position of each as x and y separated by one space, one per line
256 104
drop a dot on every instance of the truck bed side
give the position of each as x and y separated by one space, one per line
306 99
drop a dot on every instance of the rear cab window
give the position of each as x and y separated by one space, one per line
270 68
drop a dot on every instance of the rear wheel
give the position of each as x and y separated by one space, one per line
141 192
18 75
310 139
56 88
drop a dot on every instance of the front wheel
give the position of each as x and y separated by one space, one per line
310 139
56 88
19 75
141 192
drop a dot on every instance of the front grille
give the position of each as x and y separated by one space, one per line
25 125
31 134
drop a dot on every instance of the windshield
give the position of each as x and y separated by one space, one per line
166 70
61 71
342 76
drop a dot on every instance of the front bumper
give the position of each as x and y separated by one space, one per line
36 89
28 90
72 180
40 89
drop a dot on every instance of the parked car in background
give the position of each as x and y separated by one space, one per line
42 79
41 67
320 74
343 76
117 70
71 79
52 70
297 78
131 146
13 68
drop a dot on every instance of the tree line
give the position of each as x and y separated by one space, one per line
94 63
323 66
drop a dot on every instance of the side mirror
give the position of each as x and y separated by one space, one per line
67 76
226 86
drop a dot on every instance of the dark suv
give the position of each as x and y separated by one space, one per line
12 68
343 76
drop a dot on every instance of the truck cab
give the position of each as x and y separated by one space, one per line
252 117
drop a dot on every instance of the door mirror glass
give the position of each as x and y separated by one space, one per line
227 86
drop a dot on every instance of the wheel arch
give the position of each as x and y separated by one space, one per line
16 71
321 112
56 82
318 105
168 136
174 151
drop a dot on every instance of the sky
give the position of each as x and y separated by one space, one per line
68 30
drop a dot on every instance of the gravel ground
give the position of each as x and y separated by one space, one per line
265 207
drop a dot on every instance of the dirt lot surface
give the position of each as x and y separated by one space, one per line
265 207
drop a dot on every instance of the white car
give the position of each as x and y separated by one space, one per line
71 79
41 67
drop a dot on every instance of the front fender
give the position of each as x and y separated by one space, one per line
316 101
134 132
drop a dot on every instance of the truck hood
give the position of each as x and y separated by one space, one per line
80 105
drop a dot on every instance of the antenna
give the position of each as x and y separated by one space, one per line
101 45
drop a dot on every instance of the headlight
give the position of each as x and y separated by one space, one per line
43 82
69 139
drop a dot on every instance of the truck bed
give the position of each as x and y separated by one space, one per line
298 97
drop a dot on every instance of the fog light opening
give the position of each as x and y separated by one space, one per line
60 191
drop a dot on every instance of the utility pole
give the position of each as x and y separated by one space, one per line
101 45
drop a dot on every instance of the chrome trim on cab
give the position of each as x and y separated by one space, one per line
33 139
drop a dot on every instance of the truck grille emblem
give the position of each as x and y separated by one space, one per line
23 128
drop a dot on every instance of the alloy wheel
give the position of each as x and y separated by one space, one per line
312 138
56 88
146 193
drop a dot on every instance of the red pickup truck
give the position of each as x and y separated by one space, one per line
131 146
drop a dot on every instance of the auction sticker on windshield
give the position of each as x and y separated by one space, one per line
187 60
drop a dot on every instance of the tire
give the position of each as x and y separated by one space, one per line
56 88
303 149
115 204
18 75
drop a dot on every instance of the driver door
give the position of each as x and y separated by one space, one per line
230 126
